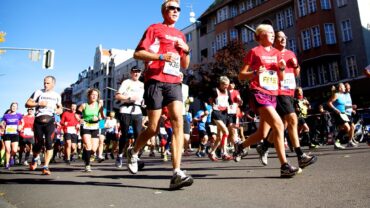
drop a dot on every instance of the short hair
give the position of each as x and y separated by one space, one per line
261 28
52 78
224 80
164 5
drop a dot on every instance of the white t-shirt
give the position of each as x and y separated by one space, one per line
110 125
185 97
132 88
51 97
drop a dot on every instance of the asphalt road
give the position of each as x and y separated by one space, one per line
340 178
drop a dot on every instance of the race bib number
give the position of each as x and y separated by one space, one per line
289 82
269 80
27 132
91 126
231 109
213 128
162 131
71 130
11 129
172 68
344 117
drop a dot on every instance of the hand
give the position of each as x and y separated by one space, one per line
261 69
95 118
181 44
282 64
169 57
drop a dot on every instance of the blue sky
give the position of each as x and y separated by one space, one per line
73 28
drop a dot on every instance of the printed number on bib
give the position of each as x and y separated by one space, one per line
269 80
27 132
11 129
232 108
172 68
91 126
213 128
344 117
289 81
71 130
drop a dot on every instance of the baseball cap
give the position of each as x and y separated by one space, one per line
135 68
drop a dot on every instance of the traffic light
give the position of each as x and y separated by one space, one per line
48 59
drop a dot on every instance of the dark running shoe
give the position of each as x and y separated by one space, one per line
238 153
306 160
288 171
179 180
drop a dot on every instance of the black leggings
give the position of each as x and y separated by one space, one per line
125 121
44 135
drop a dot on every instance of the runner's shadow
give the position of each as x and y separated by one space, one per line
77 183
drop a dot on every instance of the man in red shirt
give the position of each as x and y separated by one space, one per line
70 123
164 51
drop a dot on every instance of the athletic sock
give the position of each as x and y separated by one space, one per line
299 152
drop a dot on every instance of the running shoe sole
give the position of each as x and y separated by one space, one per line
187 182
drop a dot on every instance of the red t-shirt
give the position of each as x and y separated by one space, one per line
234 94
288 86
167 122
27 130
71 120
257 57
160 39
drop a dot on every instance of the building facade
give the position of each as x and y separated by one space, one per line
330 37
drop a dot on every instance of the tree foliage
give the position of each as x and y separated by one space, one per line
227 62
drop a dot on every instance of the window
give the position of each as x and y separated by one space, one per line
311 79
249 4
204 53
316 39
292 46
242 7
188 37
351 66
251 34
222 14
311 6
325 4
218 41
224 39
346 30
302 8
233 34
330 38
334 71
214 48
213 23
306 39
341 3
221 40
233 11
289 17
244 33
323 75
280 21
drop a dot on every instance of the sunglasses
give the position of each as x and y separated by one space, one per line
172 8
